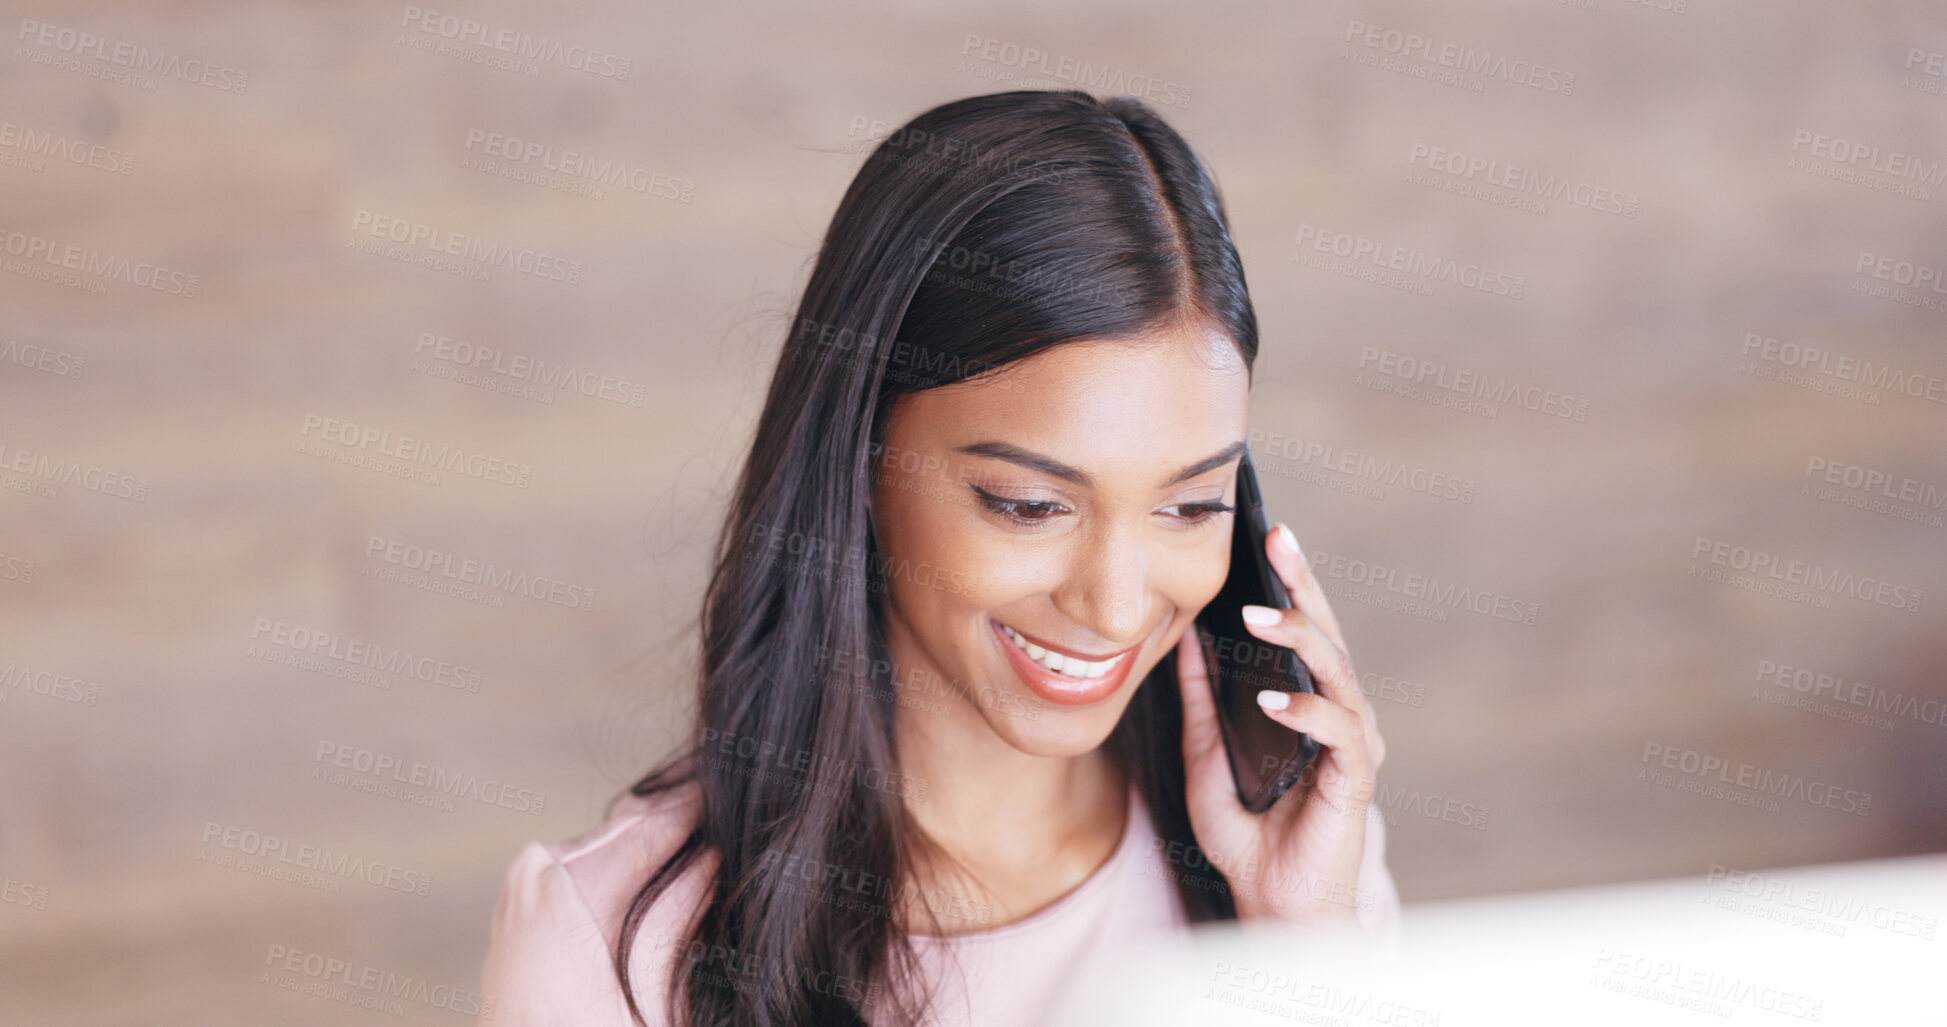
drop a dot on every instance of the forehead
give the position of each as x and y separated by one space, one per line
1155 399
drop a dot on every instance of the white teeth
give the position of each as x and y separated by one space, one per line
1067 666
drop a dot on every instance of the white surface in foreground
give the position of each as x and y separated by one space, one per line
1852 943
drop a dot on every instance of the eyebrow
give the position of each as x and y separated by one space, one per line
1050 466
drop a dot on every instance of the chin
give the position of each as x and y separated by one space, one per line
1057 733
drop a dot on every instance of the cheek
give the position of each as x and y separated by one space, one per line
1192 574
910 518
932 558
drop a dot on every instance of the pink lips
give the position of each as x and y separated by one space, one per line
1060 688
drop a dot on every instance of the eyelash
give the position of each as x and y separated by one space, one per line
1011 509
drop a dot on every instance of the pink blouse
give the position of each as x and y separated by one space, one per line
550 958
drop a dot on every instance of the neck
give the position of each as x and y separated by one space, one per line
986 800
987 803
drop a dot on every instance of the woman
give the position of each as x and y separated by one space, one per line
949 751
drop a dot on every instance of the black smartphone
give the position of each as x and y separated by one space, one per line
1266 757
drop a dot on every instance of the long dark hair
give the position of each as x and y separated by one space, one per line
983 231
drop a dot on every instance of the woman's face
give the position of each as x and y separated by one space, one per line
1047 534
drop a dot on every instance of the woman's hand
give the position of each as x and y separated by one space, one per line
1298 860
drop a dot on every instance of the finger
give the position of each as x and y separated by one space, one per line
1306 593
1328 722
1332 675
1331 668
1206 770
1344 774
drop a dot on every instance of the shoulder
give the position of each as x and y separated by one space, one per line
550 957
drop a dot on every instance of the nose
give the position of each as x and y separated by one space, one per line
1106 589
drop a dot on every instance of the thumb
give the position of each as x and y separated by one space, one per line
1206 769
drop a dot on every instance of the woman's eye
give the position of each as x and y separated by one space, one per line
1024 511
1040 511
1197 513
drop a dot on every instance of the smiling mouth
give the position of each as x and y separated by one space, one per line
1065 664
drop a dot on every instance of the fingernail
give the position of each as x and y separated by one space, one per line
1272 699
1260 615
1291 540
